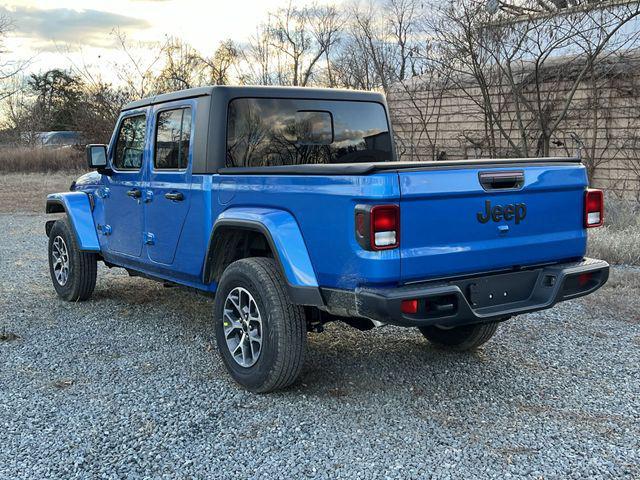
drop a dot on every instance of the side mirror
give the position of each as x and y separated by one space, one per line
97 156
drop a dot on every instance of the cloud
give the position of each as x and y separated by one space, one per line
46 27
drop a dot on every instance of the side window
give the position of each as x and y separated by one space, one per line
130 143
173 134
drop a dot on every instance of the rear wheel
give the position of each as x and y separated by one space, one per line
464 337
261 335
73 272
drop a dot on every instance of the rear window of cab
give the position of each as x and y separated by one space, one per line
272 132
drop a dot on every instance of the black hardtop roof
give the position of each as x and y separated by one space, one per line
230 92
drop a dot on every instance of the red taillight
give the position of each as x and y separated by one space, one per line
409 306
593 208
378 226
384 218
385 223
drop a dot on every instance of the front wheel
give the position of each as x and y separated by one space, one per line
261 335
73 272
464 337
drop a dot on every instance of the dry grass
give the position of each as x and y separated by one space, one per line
32 160
26 192
620 295
618 242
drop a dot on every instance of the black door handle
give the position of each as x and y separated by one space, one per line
134 193
175 196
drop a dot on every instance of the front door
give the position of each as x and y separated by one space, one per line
169 182
124 201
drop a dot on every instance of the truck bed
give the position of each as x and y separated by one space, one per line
439 203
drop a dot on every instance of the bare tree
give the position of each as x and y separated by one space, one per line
593 122
182 67
631 155
405 20
8 68
100 106
367 60
290 47
352 68
222 62
12 84
628 142
141 61
541 8
523 74
369 34
416 113
302 36
257 65
384 43
327 25
290 37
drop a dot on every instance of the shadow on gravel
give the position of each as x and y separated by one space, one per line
136 292
341 363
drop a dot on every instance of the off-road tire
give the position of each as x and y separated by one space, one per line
82 266
465 337
284 333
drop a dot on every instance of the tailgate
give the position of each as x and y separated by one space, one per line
478 219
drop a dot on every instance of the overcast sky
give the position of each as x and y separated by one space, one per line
55 33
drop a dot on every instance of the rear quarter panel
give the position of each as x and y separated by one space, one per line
324 208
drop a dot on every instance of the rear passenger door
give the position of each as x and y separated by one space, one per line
168 190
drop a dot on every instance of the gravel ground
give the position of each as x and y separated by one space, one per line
129 385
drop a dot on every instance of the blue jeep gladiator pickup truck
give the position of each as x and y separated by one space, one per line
290 205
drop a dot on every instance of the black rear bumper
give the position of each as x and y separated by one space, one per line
483 298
